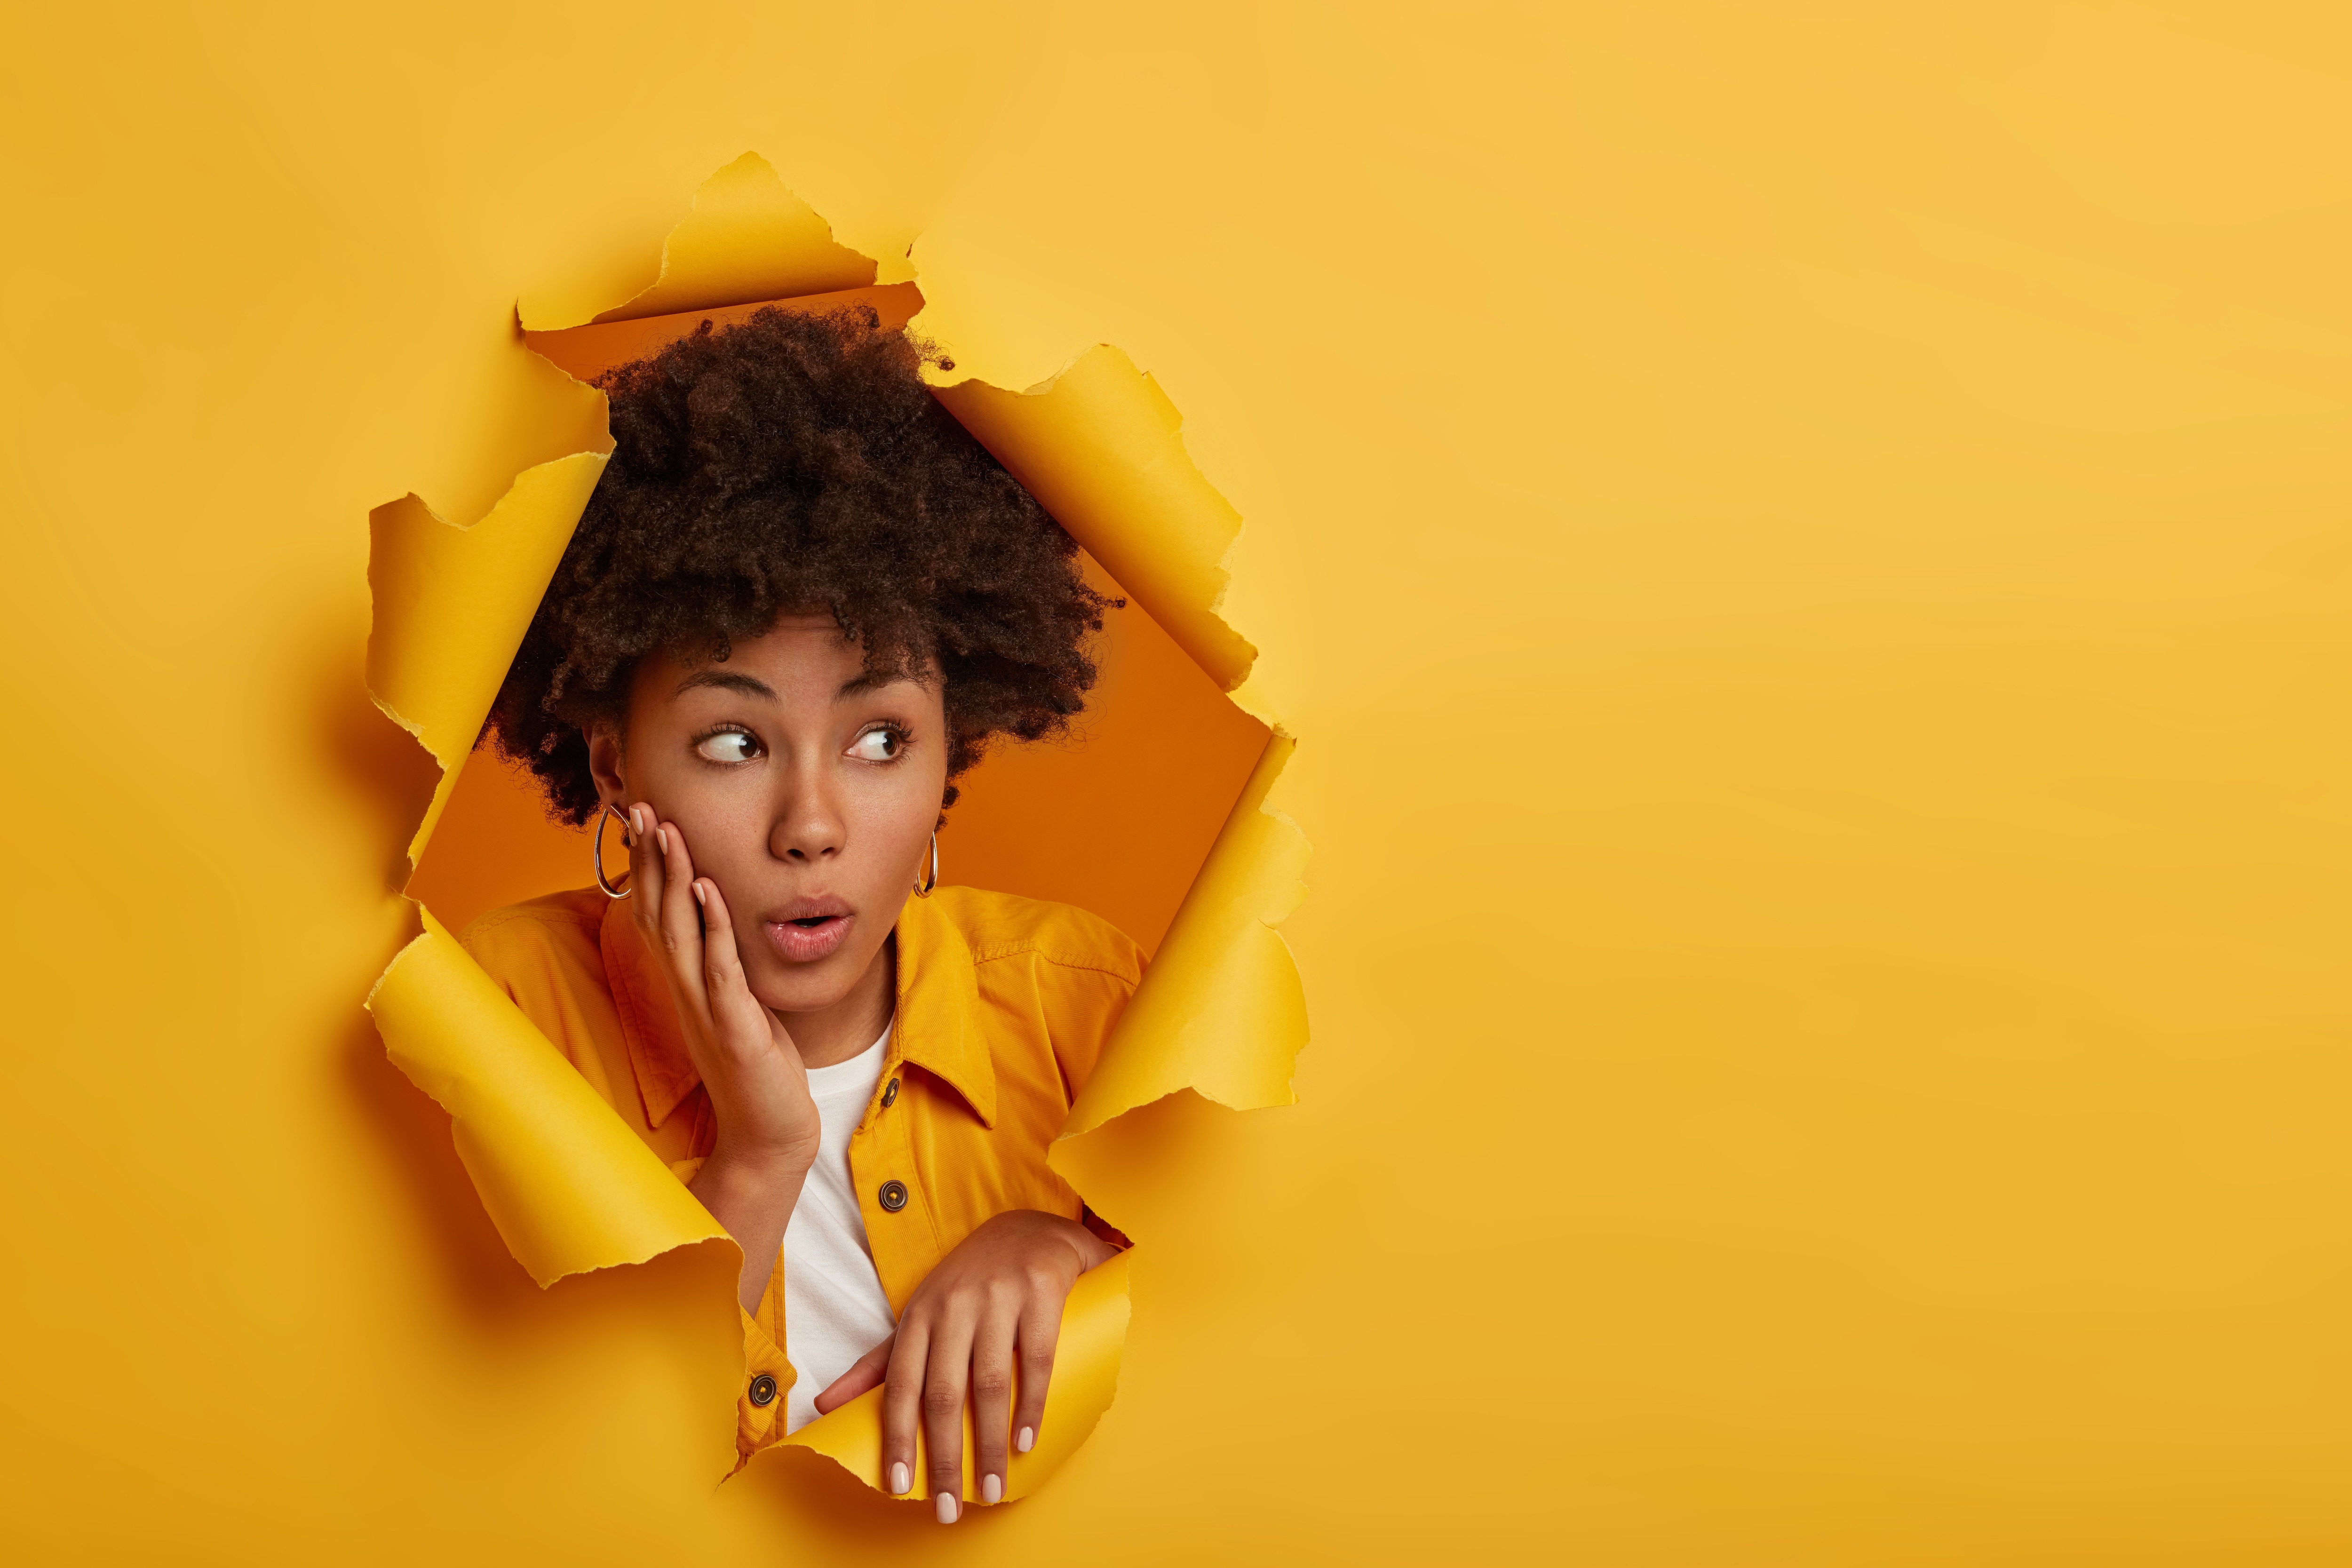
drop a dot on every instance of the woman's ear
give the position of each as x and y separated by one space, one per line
605 766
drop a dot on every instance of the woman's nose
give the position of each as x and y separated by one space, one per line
808 825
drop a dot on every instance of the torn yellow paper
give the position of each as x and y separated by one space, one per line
586 353
1099 446
1220 1011
748 238
568 1185
451 605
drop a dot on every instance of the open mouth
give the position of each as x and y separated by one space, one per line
809 929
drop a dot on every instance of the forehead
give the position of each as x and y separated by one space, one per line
805 652
798 650
815 642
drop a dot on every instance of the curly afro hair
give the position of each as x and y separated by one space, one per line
788 462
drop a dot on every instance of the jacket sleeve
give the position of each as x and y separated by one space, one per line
1088 1008
1085 1007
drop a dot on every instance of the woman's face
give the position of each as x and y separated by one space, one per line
806 791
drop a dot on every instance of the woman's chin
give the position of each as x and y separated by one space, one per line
789 988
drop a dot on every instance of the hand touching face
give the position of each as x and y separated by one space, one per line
807 790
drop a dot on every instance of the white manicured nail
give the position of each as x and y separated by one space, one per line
698 898
947 1508
898 1481
1028 1438
992 1488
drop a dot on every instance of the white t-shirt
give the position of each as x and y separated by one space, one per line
835 1309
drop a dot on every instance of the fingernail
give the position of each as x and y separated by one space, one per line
698 896
898 1481
947 1508
663 834
992 1488
1028 1437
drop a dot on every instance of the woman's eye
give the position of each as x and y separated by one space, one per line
875 746
728 746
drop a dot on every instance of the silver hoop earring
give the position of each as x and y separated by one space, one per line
923 890
596 854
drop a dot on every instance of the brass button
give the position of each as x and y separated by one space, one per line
763 1391
893 1196
889 1093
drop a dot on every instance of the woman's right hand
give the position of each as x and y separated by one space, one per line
767 1122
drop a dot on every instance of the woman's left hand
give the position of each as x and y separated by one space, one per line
985 1320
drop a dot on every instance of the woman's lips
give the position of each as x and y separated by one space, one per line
809 929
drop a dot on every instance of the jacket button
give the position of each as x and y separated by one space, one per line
893 1196
889 1093
763 1391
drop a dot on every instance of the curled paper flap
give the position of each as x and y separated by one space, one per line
1220 1011
748 238
569 1186
1099 446
451 605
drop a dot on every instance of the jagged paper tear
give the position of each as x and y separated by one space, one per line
1220 1011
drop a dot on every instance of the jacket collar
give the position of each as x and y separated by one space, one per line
937 1021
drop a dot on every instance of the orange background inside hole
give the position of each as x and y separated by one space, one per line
1115 817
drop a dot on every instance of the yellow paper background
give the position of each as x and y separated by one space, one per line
1807 546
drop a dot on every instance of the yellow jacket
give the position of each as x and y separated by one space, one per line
1004 1006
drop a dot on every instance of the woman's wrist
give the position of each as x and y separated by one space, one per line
764 1166
1090 1251
752 1193
742 1186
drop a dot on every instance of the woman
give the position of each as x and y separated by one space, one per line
800 602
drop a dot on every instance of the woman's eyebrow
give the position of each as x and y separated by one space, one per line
726 680
858 685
